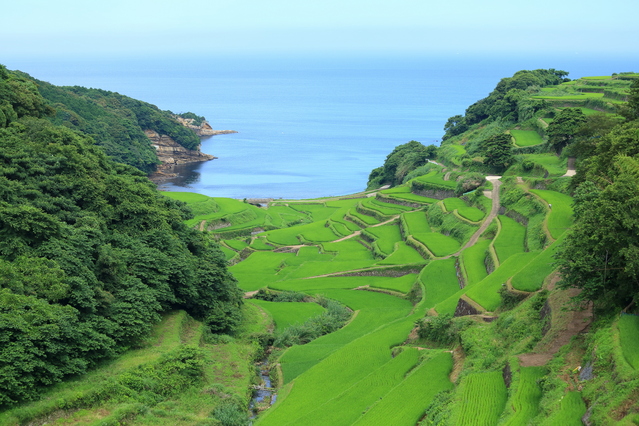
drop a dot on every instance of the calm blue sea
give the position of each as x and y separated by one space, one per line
309 126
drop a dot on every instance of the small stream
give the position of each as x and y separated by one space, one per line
263 394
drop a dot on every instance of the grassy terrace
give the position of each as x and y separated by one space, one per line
353 375
560 214
471 213
526 137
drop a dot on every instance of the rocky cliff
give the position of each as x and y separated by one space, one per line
171 153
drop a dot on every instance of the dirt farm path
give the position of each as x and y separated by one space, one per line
494 195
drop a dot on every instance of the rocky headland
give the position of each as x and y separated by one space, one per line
170 153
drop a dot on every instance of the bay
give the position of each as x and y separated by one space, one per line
308 125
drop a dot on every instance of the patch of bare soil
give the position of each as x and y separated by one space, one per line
568 324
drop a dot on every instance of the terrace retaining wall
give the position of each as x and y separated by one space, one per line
464 308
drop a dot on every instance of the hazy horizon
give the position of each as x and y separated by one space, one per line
68 27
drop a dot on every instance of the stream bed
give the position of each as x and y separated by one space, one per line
264 394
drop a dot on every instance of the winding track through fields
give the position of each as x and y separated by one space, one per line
494 195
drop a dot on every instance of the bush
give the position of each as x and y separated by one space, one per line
230 413
438 329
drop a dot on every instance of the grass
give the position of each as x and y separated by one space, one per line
416 222
440 281
560 215
526 137
439 244
438 178
572 409
486 292
629 339
386 237
405 403
524 403
473 261
510 239
285 314
403 254
483 398
531 278
471 213
553 164
227 366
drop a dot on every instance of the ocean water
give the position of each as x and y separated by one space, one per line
308 126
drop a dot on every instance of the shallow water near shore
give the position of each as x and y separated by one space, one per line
309 126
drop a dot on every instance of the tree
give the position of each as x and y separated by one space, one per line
631 109
564 127
601 253
497 151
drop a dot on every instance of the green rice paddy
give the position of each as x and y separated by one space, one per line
350 376
560 214
510 239
471 213
285 314
483 398
629 339
526 137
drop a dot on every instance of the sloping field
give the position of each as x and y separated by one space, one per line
440 281
406 402
440 245
524 403
629 339
572 410
386 237
473 260
403 254
526 137
531 277
471 213
510 239
483 398
560 214
285 314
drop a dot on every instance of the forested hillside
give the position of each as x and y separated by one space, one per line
489 281
114 121
91 255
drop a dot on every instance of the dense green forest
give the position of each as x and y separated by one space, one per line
489 281
91 254
114 121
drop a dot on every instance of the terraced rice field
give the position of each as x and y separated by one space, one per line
629 339
560 214
352 376
531 278
483 397
473 261
524 403
555 165
440 281
510 239
437 177
285 314
571 411
526 137
440 245
386 237
471 213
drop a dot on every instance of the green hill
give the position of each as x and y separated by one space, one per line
446 299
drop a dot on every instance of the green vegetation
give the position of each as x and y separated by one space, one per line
629 339
117 304
510 239
483 397
524 402
526 137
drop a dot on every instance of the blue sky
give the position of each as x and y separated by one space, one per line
37 27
